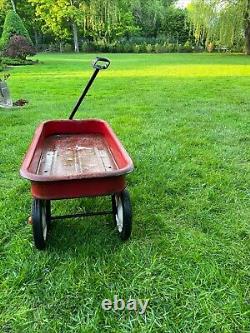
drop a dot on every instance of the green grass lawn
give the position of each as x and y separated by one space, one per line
184 119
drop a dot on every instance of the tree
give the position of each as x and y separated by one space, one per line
60 17
13 25
101 22
8 4
19 47
13 5
107 20
150 15
96 19
223 21
26 12
175 26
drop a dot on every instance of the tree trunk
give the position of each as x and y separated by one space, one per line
61 47
247 35
247 28
13 5
75 36
36 38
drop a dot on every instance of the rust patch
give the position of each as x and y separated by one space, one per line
76 154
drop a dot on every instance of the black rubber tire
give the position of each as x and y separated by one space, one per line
124 198
37 215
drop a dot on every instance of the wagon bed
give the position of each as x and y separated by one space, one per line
74 158
75 155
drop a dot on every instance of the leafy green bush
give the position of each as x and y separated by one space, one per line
157 48
143 47
149 48
67 47
136 48
116 48
88 47
164 48
101 46
138 45
187 47
127 47
13 25
17 61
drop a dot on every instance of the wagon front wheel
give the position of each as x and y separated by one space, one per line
40 223
122 212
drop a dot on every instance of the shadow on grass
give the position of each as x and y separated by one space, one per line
93 236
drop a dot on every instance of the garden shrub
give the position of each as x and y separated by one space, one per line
136 48
112 48
143 47
138 45
67 47
170 48
188 47
88 47
19 47
7 61
157 48
13 25
149 48
128 47
85 47
163 48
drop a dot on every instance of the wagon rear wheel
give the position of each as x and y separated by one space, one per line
122 212
48 213
40 222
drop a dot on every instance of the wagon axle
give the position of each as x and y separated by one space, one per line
41 217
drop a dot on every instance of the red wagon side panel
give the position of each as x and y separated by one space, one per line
77 188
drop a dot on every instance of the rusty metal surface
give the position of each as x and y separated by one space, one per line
73 155
64 150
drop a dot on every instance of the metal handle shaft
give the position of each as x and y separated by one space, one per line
84 93
98 64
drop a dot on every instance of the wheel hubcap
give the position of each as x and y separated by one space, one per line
119 213
44 223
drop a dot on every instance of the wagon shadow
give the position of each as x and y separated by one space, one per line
93 236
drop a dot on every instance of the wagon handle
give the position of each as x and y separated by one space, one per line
103 64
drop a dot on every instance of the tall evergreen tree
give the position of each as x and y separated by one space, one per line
13 25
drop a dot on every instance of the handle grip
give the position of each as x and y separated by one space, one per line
101 63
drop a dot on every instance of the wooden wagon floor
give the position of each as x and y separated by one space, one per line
65 155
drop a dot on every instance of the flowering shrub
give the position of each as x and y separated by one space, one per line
19 47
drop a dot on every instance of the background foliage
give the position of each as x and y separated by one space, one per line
133 25
13 25
221 22
63 24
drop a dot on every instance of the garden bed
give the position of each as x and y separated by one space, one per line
17 62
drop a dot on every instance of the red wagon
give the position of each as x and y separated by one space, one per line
73 159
